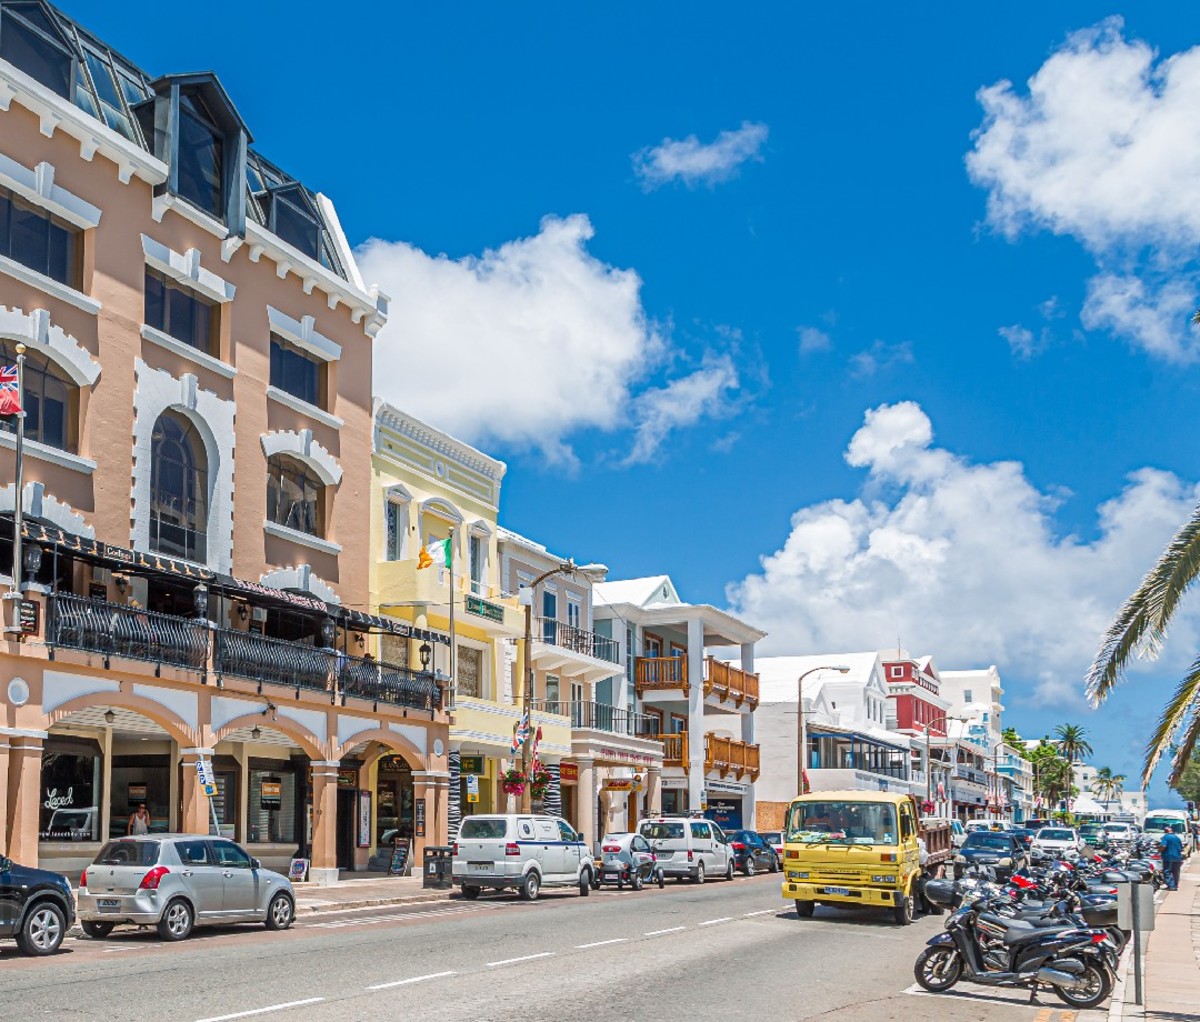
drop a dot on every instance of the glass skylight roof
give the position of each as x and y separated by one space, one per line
108 87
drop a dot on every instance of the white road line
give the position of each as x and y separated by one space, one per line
263 1011
658 933
601 943
761 912
415 979
713 922
513 961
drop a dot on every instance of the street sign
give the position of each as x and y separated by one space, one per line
472 788
204 772
210 790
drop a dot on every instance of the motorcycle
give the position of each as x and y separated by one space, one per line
981 946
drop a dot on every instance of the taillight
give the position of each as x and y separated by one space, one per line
454 849
690 856
611 848
738 845
83 879
151 880
512 848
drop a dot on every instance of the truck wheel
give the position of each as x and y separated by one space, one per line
902 914
804 909
470 893
700 872
585 883
530 887
729 870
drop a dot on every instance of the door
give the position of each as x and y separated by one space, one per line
551 854
240 882
10 899
201 876
347 816
703 847
572 849
643 855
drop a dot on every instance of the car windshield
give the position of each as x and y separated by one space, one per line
615 839
981 839
1047 834
476 829
842 823
128 853
662 831
773 837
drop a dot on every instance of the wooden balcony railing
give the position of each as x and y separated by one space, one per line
659 672
675 750
728 755
726 682
730 683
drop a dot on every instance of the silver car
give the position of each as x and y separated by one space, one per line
175 882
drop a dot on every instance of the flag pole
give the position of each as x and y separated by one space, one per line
18 498
453 645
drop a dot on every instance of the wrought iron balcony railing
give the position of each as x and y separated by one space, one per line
273 661
602 717
576 639
117 629
387 683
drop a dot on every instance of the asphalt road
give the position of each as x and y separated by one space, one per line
718 951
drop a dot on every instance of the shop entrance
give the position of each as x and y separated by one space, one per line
347 816
393 801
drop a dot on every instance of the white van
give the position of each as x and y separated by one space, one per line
527 852
1159 821
688 847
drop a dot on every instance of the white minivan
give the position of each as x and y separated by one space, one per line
689 847
526 852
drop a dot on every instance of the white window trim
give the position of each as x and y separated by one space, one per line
49 286
486 687
185 267
304 448
303 334
178 347
168 200
304 408
36 330
302 538
37 186
44 452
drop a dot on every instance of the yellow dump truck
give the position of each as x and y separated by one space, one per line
866 848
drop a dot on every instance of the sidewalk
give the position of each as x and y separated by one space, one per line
1172 960
363 893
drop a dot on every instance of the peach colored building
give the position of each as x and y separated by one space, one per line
197 463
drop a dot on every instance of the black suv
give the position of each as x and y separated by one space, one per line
1000 850
36 907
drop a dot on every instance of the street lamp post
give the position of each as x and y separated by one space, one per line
802 728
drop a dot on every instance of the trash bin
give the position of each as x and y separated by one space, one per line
438 867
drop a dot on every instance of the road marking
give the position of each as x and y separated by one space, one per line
762 912
415 979
1066 1016
523 958
601 943
713 922
659 933
263 1011
1044 1015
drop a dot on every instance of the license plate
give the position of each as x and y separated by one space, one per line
109 905
479 867
838 890
611 873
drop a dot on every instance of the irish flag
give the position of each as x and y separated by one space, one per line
435 553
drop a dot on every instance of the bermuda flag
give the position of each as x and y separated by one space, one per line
10 397
520 733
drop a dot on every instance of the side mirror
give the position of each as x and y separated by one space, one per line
582 839
255 864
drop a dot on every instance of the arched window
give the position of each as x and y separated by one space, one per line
295 495
51 400
178 489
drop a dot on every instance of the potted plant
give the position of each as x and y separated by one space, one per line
539 784
513 782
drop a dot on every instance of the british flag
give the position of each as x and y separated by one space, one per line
10 394
520 734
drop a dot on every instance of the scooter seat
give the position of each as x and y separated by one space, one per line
1017 931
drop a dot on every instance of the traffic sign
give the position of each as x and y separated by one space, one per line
204 772
210 790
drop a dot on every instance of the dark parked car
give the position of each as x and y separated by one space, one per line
36 907
1024 834
751 852
999 850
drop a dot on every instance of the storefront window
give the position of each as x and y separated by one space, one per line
271 813
140 780
393 800
71 781
470 671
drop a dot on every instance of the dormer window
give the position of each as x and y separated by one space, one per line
31 41
292 216
200 156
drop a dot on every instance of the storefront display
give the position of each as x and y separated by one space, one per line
72 770
271 811
394 801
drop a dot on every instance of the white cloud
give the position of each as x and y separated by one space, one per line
962 560
1020 340
694 162
880 357
1102 148
813 340
525 344
682 402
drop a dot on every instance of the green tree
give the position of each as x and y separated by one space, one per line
1188 784
1052 775
1108 786
1072 742
1014 741
1140 627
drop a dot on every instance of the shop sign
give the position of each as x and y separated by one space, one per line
471 765
472 788
620 784
364 819
28 614
419 817
272 793
298 870
674 783
347 779
138 793
627 757
727 788
726 813
482 608
568 773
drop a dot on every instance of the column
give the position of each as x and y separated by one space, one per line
748 800
695 660
196 816
5 749
585 801
323 869
106 786
242 815
24 790
654 791
440 818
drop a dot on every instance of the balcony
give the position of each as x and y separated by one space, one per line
576 640
723 756
722 681
572 652
127 632
402 585
587 716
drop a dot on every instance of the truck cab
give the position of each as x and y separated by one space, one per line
860 848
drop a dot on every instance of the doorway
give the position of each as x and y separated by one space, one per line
347 816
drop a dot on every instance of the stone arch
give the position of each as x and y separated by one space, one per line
301 578
35 330
396 742
309 744
175 726
301 446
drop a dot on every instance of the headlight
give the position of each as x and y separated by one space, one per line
1005 862
960 858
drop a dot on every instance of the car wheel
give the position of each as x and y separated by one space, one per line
748 869
662 880
636 882
97 931
585 883
530 887
729 870
176 922
700 872
774 867
43 930
471 893
804 909
280 912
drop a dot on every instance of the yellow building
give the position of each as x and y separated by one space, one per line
427 487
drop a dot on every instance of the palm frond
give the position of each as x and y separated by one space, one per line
1185 702
1142 621
1191 733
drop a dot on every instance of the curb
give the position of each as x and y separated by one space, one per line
345 906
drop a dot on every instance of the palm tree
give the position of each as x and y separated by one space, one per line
1102 786
1072 742
1140 627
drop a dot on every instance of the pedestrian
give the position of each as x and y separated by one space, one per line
139 822
1172 858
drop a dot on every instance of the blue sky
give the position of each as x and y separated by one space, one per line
678 364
